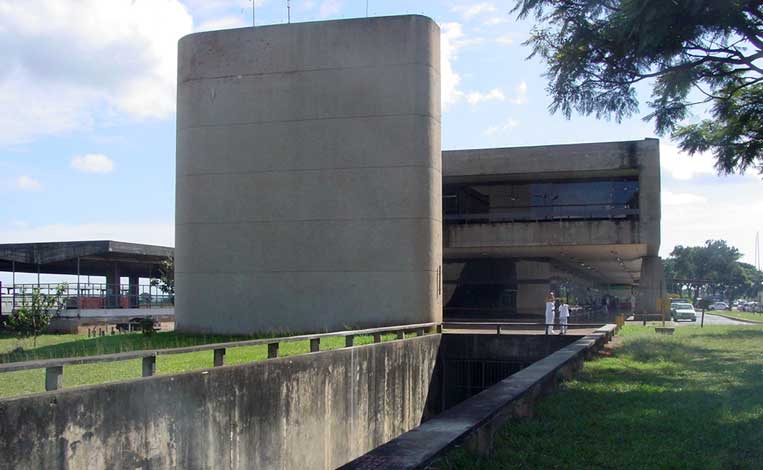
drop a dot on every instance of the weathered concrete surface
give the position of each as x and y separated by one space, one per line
476 421
599 252
503 347
309 176
558 233
651 291
317 410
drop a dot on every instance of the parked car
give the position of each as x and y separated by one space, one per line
719 306
751 307
683 311
139 324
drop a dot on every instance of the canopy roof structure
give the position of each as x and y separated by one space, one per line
90 258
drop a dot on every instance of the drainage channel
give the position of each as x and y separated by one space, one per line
467 364
508 372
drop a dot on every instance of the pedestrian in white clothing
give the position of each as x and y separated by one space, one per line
550 313
564 314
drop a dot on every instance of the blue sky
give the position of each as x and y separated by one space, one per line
87 133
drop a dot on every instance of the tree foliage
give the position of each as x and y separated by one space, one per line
166 281
693 52
33 317
715 268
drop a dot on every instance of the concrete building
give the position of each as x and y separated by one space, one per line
86 302
310 192
308 176
581 219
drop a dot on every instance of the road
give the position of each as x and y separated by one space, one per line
711 320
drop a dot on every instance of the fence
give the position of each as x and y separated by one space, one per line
90 295
54 368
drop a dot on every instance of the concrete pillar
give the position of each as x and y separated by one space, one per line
134 290
651 286
112 287
309 177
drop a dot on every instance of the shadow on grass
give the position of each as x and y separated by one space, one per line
692 402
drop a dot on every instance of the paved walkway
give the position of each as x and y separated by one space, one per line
507 330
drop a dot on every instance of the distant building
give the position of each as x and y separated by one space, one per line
580 220
90 303
311 192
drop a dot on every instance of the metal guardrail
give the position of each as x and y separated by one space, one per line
54 368
85 296
500 326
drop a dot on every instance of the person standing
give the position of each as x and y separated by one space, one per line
564 314
550 313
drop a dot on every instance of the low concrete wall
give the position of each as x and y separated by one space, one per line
475 422
317 410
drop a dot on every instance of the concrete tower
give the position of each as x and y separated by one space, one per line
309 177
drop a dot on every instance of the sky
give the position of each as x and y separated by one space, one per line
87 128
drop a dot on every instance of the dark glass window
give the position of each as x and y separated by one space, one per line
590 199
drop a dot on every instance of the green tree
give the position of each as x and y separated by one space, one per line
703 53
714 267
33 317
166 281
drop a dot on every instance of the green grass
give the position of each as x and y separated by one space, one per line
744 315
693 400
56 346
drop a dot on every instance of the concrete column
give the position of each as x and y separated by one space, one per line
112 287
308 176
134 290
651 286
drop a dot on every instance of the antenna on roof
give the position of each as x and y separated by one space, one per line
366 8
288 11
254 3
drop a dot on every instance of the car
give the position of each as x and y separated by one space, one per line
719 306
138 324
683 311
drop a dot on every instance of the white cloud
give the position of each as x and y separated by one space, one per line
27 183
149 233
473 10
452 38
475 97
504 127
496 20
224 22
329 8
450 33
670 198
683 167
78 63
92 163
506 39
521 93
732 210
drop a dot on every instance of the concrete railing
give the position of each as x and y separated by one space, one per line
54 368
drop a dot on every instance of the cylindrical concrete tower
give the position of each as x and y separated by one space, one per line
309 177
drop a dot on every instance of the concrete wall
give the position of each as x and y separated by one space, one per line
546 162
309 176
542 234
315 411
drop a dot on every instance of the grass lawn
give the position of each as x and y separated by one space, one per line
744 315
54 346
693 400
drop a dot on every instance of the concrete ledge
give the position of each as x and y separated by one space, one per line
731 317
475 421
